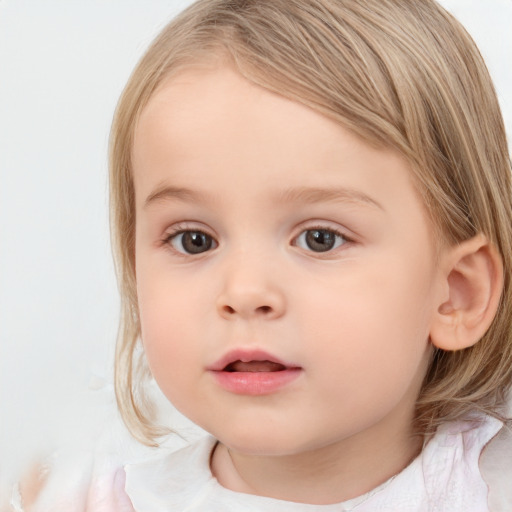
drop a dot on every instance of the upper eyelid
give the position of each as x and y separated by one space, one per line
187 226
183 227
336 232
178 229
324 226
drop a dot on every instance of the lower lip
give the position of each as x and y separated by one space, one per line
256 383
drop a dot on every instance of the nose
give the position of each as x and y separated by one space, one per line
249 291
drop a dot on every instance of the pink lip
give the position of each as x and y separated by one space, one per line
246 356
253 383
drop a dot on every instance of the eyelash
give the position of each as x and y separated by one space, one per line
181 230
336 232
341 239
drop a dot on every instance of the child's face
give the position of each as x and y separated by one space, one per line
266 231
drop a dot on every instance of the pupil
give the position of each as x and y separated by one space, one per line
195 242
320 240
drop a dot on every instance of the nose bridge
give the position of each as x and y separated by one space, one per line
250 286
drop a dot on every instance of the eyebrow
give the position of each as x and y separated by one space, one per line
312 195
165 192
309 195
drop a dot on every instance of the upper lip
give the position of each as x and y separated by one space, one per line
246 356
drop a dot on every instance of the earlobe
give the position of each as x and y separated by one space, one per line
473 278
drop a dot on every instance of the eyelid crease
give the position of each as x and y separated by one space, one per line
336 232
324 225
185 228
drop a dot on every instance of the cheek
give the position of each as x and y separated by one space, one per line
166 318
373 325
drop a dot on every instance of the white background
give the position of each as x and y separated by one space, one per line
62 67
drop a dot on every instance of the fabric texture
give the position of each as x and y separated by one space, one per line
450 475
445 477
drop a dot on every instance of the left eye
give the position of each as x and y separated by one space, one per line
319 240
192 242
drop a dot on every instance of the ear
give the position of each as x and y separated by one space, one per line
472 275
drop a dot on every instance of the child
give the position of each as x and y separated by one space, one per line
311 208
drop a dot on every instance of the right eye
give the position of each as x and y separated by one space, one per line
191 242
320 240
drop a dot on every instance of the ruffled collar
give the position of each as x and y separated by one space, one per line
445 476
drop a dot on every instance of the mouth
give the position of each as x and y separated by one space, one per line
253 373
251 361
254 366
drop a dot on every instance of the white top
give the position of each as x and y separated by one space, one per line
444 477
449 475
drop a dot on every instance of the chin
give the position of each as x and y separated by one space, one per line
262 442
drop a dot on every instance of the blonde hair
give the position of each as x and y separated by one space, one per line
399 73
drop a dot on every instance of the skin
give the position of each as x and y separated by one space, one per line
355 319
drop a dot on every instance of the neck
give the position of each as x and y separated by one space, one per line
330 474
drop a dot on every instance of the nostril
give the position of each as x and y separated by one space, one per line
261 309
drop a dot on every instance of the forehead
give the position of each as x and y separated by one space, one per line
191 106
188 110
208 125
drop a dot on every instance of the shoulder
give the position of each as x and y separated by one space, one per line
496 469
447 473
471 461
171 479
95 480
78 481
89 475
